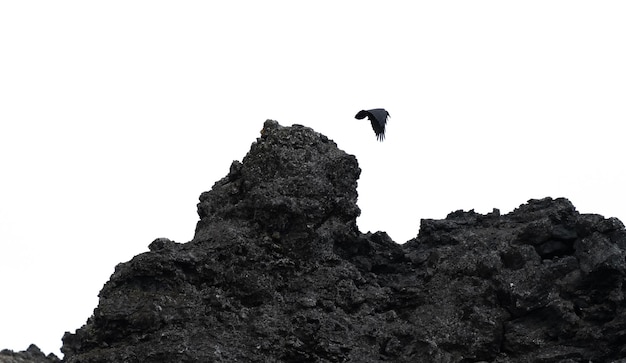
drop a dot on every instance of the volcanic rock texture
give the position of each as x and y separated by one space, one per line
279 272
31 355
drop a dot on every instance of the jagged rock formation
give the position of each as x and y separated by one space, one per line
31 355
278 271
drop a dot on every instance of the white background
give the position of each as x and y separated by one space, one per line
116 115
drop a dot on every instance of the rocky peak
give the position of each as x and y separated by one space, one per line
294 185
278 271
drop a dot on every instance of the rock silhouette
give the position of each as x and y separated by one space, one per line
31 355
279 272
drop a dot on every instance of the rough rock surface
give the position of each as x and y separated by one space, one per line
31 355
278 272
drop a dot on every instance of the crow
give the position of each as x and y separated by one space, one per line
378 118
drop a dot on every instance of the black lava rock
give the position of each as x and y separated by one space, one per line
31 355
279 272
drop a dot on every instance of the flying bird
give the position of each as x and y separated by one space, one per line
378 118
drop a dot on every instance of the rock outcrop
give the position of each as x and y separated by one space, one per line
31 355
279 272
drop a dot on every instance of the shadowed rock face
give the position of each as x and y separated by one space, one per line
278 271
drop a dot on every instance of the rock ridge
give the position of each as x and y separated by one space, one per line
278 271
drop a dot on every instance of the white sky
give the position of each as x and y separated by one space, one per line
116 115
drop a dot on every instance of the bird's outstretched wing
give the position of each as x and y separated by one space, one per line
361 115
